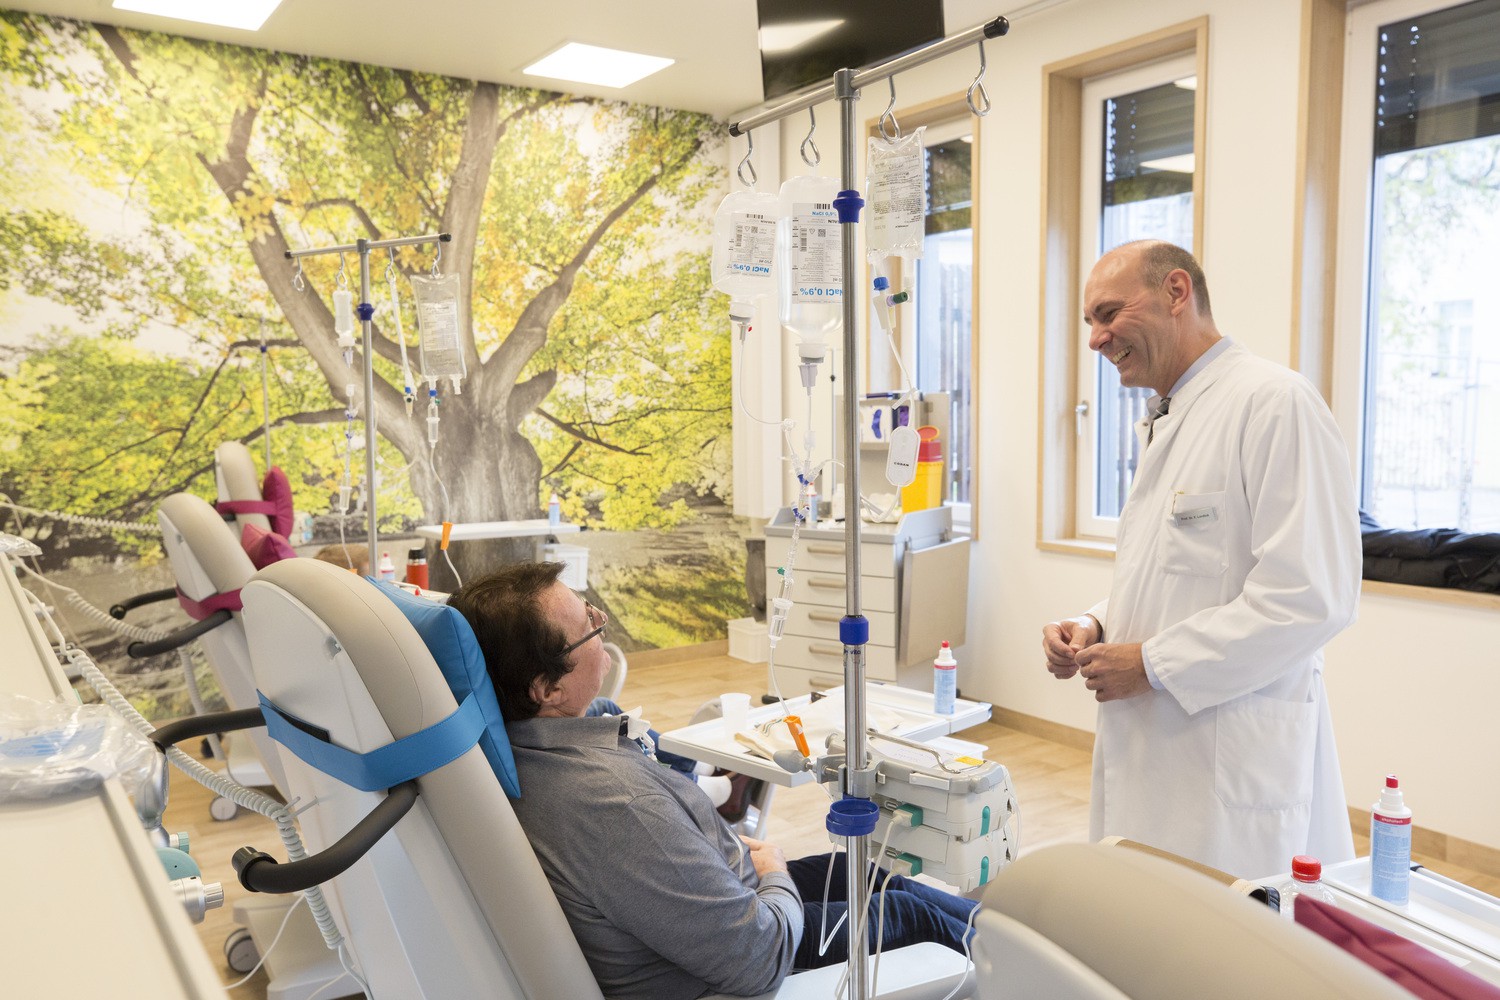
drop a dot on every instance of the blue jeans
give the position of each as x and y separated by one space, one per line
603 706
914 913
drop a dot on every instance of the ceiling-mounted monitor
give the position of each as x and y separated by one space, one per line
803 42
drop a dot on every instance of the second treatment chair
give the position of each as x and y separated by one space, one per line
433 881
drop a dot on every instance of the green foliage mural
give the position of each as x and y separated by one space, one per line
154 184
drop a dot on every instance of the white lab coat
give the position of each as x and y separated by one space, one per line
1238 558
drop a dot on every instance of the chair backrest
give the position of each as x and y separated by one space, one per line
452 902
1087 922
234 473
206 559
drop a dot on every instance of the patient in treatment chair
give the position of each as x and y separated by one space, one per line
355 558
665 901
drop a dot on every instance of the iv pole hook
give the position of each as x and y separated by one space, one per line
983 107
807 143
341 277
745 164
390 267
894 131
438 259
297 280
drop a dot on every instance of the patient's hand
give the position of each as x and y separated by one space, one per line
764 856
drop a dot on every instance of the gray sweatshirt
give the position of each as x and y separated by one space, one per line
662 897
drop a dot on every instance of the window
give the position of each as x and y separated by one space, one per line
937 336
1420 323
945 294
1137 183
1148 191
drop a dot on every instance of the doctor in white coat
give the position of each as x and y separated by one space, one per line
1238 557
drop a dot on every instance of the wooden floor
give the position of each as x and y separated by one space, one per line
1051 783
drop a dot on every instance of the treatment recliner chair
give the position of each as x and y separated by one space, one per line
446 898
1090 922
211 567
208 564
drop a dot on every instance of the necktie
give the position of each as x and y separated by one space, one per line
1157 406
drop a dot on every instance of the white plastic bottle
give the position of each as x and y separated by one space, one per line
744 255
944 680
1307 880
1390 845
554 512
810 262
385 569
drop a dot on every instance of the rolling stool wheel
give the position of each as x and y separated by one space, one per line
223 810
240 951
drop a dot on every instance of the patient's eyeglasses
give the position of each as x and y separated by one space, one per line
597 620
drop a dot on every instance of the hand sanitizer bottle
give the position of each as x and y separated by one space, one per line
1390 845
944 680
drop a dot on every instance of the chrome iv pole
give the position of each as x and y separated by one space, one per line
854 628
366 313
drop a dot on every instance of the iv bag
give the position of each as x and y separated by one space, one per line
810 265
745 244
438 315
897 193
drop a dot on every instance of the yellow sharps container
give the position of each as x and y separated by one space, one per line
926 490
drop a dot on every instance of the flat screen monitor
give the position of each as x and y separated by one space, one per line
803 42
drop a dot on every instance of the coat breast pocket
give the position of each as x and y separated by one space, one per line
1194 535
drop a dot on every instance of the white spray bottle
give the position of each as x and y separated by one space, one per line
1390 845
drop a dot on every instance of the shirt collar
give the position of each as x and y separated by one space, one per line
551 734
1220 346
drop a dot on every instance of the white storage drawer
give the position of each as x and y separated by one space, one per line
819 622
828 590
826 657
823 556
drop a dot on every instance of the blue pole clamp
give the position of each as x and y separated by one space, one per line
854 630
365 310
850 817
848 204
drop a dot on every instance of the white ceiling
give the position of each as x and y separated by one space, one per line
717 68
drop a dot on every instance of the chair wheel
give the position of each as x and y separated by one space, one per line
240 951
223 810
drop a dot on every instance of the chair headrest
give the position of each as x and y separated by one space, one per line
205 555
451 641
265 503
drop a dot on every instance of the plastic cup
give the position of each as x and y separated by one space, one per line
736 709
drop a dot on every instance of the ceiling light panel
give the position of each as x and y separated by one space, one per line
600 67
246 14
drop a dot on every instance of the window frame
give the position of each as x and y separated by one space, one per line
1353 285
1062 345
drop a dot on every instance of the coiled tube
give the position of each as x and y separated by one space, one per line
216 783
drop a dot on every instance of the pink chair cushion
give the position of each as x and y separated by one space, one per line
278 491
264 547
1412 966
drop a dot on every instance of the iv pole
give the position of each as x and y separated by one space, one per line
366 321
854 628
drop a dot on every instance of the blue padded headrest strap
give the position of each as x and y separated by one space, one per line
455 649
384 767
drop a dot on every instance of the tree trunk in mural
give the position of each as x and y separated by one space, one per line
491 470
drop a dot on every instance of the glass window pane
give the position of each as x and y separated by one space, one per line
1147 193
945 302
1432 394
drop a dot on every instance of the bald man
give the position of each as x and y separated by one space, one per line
1237 559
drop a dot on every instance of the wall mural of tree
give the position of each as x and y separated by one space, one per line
153 186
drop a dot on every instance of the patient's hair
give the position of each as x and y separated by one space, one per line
351 557
519 641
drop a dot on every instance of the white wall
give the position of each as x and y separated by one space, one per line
1414 685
